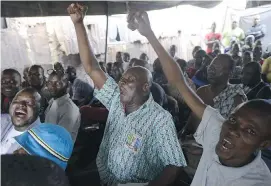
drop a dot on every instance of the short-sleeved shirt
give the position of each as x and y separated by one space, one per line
236 34
137 147
209 37
211 172
64 112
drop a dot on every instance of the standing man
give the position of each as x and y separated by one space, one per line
10 86
126 59
140 142
257 31
235 34
23 115
61 110
37 80
172 51
212 38
232 147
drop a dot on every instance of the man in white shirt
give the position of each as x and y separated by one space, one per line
23 115
231 147
61 110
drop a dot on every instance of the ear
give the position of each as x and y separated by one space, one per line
146 87
266 144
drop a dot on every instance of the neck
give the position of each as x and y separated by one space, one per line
252 85
237 162
134 105
217 88
21 129
59 96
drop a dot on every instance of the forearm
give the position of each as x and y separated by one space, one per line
175 77
167 177
87 56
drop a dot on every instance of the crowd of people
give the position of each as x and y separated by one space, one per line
201 122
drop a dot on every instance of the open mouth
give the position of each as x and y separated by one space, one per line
226 144
20 113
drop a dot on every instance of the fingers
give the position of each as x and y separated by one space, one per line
77 9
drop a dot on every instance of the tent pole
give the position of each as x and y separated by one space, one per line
106 32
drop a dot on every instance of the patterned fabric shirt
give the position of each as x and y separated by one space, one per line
224 102
137 147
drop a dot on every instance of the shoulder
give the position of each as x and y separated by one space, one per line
70 107
203 89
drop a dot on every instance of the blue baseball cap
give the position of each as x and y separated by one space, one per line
49 141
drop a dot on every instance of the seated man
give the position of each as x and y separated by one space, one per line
47 140
23 115
157 91
254 87
219 94
21 170
81 92
10 86
232 147
61 110
140 142
37 80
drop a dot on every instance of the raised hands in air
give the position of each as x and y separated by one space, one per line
139 21
77 12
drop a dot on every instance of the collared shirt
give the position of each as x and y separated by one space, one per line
64 112
8 132
211 172
136 147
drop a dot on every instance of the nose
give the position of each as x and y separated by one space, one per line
22 104
234 131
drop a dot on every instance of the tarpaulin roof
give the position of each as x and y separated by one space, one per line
58 8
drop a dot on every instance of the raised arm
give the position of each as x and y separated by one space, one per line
174 74
90 63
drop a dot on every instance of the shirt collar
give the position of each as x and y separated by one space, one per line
232 173
61 99
144 105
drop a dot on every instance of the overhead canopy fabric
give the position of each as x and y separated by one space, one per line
58 8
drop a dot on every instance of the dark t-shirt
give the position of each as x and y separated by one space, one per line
158 94
261 91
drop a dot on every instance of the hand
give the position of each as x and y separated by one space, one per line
77 12
139 21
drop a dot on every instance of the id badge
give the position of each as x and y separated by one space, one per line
134 142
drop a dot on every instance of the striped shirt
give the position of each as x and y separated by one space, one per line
135 148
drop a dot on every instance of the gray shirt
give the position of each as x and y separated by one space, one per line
211 172
64 112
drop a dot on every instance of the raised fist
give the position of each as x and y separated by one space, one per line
139 21
77 12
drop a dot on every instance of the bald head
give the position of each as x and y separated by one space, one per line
135 86
142 74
